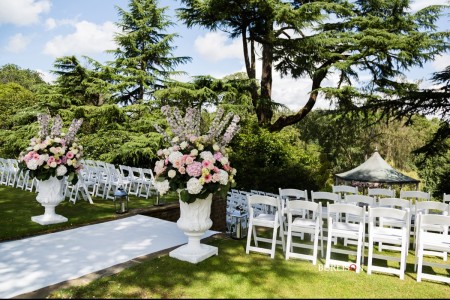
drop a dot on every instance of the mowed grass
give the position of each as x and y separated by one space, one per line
18 206
231 274
234 274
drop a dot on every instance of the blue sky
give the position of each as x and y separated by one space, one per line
34 32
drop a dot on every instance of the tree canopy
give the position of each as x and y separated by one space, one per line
320 39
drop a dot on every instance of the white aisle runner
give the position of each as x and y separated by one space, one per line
33 263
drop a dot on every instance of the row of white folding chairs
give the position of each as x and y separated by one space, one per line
434 241
104 179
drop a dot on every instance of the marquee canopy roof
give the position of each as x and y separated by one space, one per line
377 170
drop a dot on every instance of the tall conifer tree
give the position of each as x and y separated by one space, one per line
143 60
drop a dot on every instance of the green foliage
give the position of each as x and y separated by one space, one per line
379 40
268 161
27 78
143 61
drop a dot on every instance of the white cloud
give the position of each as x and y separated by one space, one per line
419 4
213 46
441 62
47 76
17 43
88 38
50 24
22 12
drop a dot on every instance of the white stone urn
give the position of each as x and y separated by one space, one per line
50 194
194 221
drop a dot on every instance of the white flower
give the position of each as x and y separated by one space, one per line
32 164
171 173
162 186
61 170
216 147
224 160
183 145
175 139
194 152
223 177
57 140
207 155
194 186
53 164
166 152
174 156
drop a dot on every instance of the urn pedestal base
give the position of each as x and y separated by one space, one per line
193 251
47 220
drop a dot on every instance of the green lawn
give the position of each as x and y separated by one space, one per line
18 206
231 274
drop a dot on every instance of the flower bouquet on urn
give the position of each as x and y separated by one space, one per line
50 157
196 166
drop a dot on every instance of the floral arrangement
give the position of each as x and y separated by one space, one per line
195 165
53 153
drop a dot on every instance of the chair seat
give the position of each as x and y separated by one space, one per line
305 223
387 233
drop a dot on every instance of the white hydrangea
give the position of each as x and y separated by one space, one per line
194 186
207 155
61 170
174 156
223 177
162 186
32 164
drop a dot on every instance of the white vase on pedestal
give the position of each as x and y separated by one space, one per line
195 221
50 194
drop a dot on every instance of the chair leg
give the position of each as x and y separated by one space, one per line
370 257
420 262
274 242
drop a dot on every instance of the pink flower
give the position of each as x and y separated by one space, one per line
218 155
70 155
208 178
182 170
194 169
227 167
216 170
189 160
206 164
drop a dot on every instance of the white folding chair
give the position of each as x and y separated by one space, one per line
346 230
432 207
312 225
328 197
147 188
428 240
414 197
398 203
264 220
343 190
395 235
379 193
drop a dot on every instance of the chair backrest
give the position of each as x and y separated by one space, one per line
394 203
377 192
349 209
415 196
327 196
297 207
255 200
428 207
360 200
293 194
388 212
343 190
425 220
